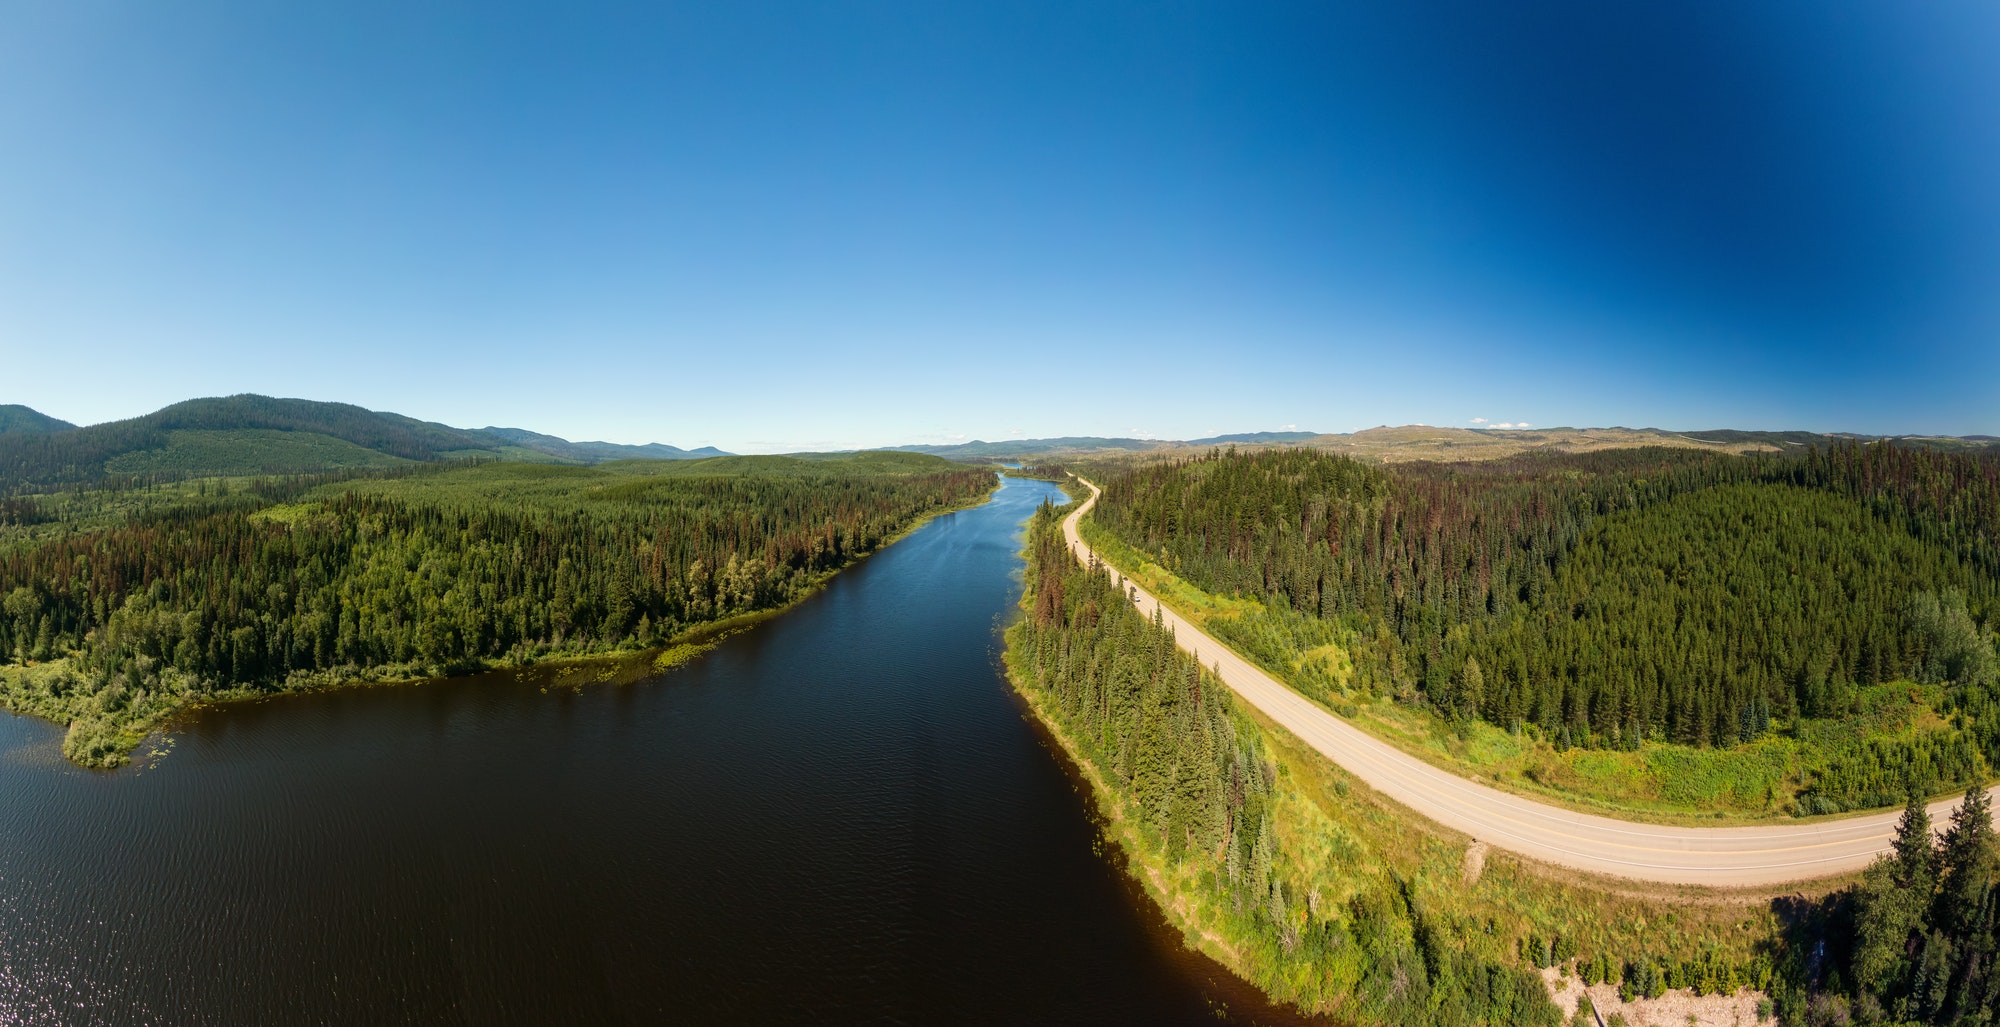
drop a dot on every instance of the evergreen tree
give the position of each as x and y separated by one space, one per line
1891 902
1969 863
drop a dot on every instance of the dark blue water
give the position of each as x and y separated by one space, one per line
843 816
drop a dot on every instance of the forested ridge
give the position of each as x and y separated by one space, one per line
1318 895
289 582
1611 598
262 435
77 456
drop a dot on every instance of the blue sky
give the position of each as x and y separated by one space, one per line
774 226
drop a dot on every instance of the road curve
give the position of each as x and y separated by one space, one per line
1719 857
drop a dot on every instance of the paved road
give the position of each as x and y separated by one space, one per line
1723 857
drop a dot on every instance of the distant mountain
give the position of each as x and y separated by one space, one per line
595 452
27 420
1450 444
980 450
1780 439
248 434
1430 442
1255 438
1425 442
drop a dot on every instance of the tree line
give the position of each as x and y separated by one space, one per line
1606 598
231 591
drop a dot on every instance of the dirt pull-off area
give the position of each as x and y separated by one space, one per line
1475 862
1679 1007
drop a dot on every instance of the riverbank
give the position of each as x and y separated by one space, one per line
845 816
1301 879
105 725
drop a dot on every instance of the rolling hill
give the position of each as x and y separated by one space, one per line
981 450
249 434
27 420
593 452
1387 444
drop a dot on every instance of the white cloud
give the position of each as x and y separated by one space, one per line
1521 424
1479 420
1504 424
1290 427
960 437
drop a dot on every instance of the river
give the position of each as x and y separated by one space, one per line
842 816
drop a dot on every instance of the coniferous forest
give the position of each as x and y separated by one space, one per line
121 605
1611 599
1305 882
1167 741
1608 599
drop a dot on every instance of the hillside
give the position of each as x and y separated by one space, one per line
248 434
1424 442
594 452
27 420
979 450
1420 442
1612 603
1254 438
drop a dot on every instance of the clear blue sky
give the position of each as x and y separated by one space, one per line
777 226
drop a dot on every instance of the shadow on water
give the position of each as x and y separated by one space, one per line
843 816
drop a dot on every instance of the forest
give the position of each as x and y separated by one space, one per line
1608 599
113 619
1310 887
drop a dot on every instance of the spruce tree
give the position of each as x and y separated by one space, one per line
1891 901
1915 849
1969 864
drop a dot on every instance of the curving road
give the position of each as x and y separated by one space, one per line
1722 857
